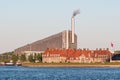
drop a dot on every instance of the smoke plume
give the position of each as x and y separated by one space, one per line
76 12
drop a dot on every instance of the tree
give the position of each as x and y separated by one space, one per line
39 57
15 58
6 57
31 58
35 56
23 57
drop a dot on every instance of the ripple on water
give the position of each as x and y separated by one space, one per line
26 73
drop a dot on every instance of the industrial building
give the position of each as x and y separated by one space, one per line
62 40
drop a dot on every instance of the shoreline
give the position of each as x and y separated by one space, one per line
71 65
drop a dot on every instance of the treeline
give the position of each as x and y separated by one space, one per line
35 57
8 56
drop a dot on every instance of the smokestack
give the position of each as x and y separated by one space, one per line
73 28
73 24
67 40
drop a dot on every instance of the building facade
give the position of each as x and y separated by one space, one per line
75 56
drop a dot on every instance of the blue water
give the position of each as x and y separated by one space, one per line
27 73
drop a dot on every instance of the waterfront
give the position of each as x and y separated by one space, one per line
28 73
87 65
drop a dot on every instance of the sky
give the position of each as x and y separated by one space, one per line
25 21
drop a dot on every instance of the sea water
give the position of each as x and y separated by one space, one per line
28 73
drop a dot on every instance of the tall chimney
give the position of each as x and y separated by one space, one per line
73 24
73 28
67 39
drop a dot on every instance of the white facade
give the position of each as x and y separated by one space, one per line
28 53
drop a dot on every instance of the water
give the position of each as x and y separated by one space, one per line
27 73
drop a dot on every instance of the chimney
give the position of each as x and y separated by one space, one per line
67 39
73 28
73 23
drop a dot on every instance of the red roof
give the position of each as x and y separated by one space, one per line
70 53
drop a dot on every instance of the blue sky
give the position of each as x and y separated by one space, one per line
25 21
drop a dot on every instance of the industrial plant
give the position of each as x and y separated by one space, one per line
62 47
63 40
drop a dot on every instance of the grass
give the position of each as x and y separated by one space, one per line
107 63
